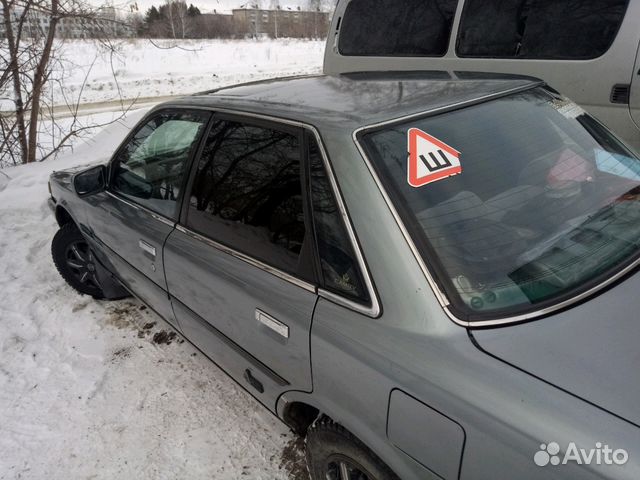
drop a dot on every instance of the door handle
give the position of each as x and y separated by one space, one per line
271 323
147 248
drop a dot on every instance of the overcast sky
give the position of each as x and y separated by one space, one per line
220 5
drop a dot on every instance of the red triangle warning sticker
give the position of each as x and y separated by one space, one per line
430 159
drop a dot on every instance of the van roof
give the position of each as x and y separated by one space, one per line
358 99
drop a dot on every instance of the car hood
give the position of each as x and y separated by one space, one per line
591 350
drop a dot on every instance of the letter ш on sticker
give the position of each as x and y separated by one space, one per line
430 159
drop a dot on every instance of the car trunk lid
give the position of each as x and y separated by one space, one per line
591 351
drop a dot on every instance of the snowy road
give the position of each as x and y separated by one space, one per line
92 389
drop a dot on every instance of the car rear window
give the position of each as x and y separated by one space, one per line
393 28
539 29
516 204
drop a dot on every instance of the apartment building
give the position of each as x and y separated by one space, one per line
283 22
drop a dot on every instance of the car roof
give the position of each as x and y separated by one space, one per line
360 99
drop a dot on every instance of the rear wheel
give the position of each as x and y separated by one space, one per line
75 261
335 454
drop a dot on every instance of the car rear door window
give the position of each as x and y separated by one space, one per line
151 167
247 193
539 29
338 262
393 28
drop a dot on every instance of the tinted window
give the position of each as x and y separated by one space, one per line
150 169
546 203
339 265
247 193
553 29
397 28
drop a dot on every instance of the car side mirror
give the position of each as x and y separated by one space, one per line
91 181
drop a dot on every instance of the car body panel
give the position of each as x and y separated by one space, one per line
506 414
596 364
121 227
225 292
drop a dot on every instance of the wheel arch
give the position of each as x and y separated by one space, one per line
297 412
112 287
294 409
63 216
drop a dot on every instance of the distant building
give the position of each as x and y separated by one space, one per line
214 25
281 22
94 24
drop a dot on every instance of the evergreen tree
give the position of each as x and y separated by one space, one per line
152 15
193 11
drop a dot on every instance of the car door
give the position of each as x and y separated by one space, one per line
131 220
240 266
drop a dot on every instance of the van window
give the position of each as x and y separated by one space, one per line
392 28
539 29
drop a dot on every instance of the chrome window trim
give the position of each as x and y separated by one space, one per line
248 259
154 215
440 295
374 310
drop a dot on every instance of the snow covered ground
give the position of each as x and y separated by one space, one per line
177 67
101 390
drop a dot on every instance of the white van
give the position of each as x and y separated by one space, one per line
586 49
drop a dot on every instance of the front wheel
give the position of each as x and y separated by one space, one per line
75 262
335 454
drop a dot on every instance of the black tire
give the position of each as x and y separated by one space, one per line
333 453
75 262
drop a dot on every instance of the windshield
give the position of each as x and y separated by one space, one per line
516 204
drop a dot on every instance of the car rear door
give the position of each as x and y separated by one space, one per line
130 221
240 265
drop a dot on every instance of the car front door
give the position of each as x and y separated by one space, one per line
240 266
131 220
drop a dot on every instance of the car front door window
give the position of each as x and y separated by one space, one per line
150 168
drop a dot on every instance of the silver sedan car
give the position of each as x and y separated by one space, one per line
427 276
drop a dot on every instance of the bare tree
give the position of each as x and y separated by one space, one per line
169 13
31 53
176 18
